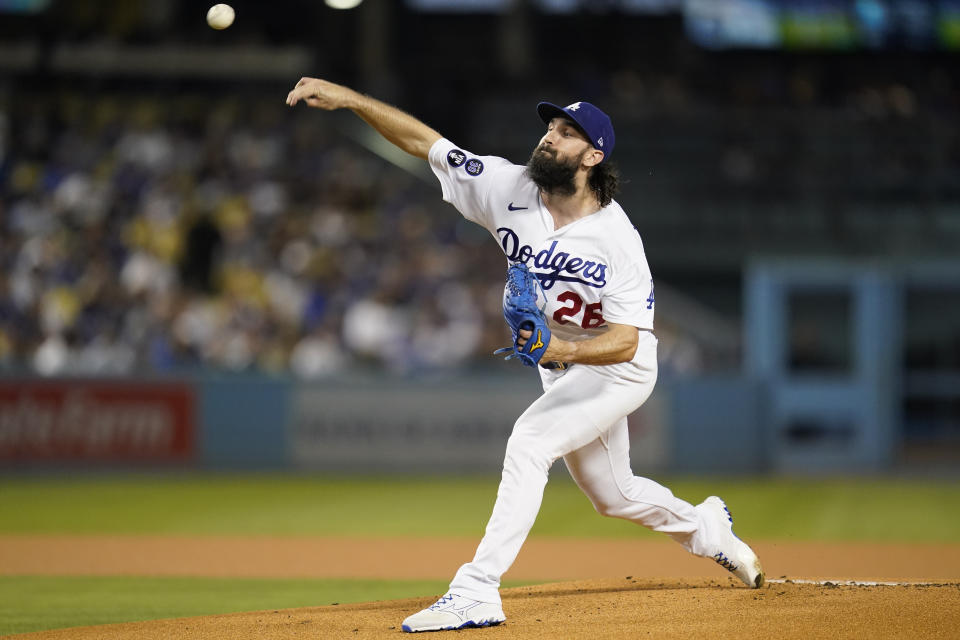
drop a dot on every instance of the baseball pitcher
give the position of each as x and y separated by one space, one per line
580 303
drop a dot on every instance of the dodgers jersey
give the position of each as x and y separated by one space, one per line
592 271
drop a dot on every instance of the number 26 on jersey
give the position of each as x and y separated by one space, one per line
573 303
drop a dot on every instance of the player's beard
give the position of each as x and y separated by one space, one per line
551 175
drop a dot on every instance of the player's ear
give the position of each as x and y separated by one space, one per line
592 158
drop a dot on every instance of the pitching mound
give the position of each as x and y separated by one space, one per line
599 609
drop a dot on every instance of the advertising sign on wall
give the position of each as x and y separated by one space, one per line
440 426
406 426
96 421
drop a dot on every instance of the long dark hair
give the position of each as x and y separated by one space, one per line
604 180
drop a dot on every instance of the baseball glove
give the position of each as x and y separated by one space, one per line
521 311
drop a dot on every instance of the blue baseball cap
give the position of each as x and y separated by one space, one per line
594 122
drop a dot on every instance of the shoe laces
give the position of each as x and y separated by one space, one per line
724 561
442 601
729 515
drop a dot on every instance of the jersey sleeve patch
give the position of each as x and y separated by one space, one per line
455 157
474 166
467 180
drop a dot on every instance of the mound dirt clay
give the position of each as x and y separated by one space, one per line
814 590
595 609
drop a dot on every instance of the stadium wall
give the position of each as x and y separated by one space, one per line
360 424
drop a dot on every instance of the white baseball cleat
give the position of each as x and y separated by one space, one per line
733 554
453 611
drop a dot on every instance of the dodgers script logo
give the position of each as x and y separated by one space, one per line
561 266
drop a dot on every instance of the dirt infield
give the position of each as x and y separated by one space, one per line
594 609
627 589
541 559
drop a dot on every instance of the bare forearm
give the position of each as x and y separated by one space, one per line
615 346
401 129
398 127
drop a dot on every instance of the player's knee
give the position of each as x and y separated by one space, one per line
608 500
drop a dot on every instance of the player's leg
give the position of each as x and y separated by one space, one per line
553 425
602 470
577 407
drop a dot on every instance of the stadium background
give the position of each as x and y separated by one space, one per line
196 278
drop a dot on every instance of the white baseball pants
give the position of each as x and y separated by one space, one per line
581 417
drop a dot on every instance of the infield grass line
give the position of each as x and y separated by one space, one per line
823 509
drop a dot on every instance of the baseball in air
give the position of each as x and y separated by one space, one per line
220 16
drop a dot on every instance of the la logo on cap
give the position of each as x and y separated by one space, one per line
574 106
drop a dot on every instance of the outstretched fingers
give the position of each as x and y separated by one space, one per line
298 94
320 93
303 90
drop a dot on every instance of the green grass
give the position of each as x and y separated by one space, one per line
839 509
875 509
35 603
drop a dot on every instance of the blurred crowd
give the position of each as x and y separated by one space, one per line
149 234
144 232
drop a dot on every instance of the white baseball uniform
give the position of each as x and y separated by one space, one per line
592 271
